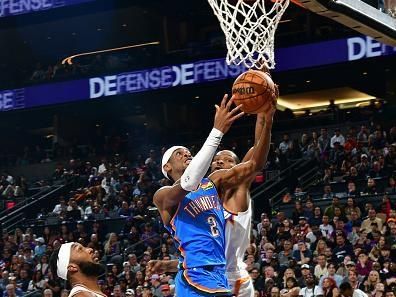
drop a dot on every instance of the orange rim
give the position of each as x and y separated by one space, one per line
297 2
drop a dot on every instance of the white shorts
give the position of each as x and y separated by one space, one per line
241 284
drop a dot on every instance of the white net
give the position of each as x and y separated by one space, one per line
249 27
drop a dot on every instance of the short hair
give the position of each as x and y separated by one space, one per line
293 280
10 286
46 291
233 155
331 264
345 286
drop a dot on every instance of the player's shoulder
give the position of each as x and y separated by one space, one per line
84 294
161 192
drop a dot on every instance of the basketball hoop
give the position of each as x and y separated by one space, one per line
249 27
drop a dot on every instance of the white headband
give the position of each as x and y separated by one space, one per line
166 157
63 260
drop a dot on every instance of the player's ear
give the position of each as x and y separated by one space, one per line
167 167
73 267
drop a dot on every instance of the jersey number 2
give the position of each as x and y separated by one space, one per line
213 226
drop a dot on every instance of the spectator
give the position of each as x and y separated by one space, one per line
258 281
350 144
351 207
275 292
311 290
363 167
351 191
338 137
74 211
329 211
378 141
47 293
40 248
124 211
372 218
341 250
353 279
347 290
391 189
286 255
331 273
302 255
156 285
326 228
149 237
134 265
364 265
112 246
330 288
321 267
324 143
376 171
362 137
166 291
12 290
371 188
291 289
287 274
371 282
60 207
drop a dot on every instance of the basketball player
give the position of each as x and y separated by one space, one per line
76 264
239 212
196 220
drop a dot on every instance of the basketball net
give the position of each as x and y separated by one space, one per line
249 27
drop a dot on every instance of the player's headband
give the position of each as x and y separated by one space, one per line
63 260
166 157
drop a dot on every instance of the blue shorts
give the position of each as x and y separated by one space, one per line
202 281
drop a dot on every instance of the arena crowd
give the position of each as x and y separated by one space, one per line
332 242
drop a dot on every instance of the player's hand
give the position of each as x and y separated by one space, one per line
155 267
224 116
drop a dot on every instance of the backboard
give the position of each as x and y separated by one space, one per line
377 22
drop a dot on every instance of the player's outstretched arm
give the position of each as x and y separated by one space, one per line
161 266
168 197
231 178
260 122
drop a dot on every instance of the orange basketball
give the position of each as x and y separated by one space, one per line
254 90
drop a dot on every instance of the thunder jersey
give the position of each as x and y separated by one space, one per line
198 228
237 239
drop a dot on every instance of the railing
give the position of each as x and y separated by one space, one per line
268 184
269 195
132 249
25 200
35 293
309 178
27 209
374 199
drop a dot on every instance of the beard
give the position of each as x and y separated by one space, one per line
91 269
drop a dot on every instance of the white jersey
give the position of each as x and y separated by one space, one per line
81 288
237 234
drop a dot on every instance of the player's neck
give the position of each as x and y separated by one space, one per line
88 282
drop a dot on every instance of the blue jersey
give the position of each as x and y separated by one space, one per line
198 228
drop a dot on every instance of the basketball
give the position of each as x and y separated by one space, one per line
254 90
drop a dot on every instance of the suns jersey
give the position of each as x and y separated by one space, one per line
198 228
81 288
237 239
